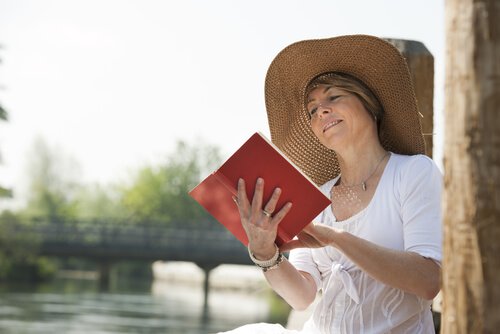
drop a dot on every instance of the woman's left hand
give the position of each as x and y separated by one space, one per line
312 236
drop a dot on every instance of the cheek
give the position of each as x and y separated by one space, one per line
363 119
318 133
316 128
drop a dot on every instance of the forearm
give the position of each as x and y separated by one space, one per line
407 271
297 288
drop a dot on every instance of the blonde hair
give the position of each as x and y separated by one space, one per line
351 85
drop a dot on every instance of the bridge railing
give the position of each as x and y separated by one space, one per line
204 242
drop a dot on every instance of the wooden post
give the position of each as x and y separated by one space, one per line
421 64
471 267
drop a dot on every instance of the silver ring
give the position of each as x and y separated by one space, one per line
267 214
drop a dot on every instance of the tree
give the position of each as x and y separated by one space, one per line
471 268
3 113
53 184
160 193
95 201
19 260
4 192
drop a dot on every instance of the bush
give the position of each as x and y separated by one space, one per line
19 260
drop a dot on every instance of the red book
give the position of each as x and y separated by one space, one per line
258 157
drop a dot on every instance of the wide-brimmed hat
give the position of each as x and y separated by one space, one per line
374 61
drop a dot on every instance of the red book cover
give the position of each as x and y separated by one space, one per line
258 157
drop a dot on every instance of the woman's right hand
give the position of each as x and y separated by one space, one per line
261 228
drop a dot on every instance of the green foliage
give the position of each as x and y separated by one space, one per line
4 117
3 114
99 202
13 244
279 309
4 192
18 252
160 194
144 198
53 183
156 194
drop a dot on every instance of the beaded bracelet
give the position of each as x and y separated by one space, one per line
270 264
276 265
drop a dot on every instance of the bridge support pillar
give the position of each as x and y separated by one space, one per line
206 286
104 275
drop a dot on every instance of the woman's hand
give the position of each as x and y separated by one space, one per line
403 270
260 222
312 236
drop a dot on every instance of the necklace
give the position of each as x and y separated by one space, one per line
363 184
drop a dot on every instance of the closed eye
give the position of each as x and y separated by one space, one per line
333 98
330 99
313 111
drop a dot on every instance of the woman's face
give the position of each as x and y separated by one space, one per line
337 117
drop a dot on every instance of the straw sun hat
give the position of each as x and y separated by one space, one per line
375 62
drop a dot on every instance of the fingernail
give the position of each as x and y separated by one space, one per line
260 180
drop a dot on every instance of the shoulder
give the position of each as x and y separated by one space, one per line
416 174
414 165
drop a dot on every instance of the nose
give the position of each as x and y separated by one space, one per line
323 109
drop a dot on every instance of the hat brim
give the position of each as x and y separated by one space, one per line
375 62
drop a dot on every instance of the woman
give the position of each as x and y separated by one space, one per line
344 110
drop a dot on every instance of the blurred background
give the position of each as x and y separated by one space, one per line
110 112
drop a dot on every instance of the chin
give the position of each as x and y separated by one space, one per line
330 142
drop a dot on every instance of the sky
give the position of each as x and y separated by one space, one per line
114 84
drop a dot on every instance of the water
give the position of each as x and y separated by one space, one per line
77 306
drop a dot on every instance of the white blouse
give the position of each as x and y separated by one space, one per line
404 214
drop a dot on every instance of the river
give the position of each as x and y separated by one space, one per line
172 305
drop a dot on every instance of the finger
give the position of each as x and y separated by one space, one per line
278 217
242 199
257 198
271 204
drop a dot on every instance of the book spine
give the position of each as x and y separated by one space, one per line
230 186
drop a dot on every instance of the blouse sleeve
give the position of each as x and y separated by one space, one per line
421 189
302 260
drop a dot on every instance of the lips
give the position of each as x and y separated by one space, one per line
331 124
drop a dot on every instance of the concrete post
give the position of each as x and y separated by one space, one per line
207 268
